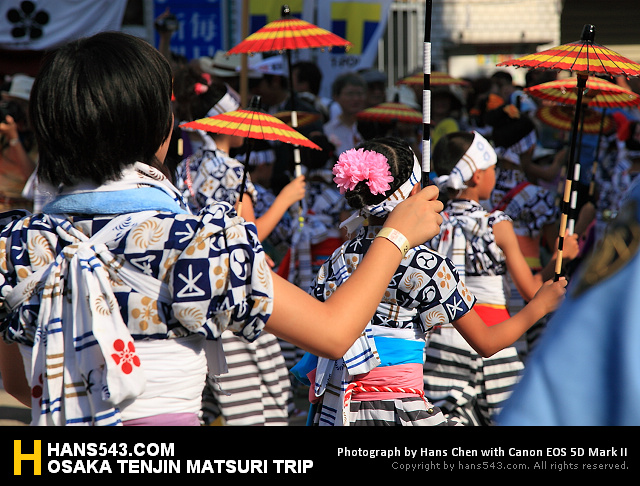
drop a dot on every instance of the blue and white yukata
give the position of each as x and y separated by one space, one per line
256 389
97 302
424 293
467 387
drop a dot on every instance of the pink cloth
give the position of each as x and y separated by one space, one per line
398 376
167 419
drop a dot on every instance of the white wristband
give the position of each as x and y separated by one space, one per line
395 237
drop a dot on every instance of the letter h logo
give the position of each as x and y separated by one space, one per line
19 456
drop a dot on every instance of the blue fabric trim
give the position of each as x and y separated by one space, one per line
307 363
394 351
114 202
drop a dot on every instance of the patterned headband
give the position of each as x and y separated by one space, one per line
229 102
385 207
479 156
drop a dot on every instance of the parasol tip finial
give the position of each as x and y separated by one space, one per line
588 33
286 11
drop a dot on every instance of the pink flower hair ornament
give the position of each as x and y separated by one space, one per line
357 165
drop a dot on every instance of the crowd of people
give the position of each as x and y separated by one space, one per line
128 238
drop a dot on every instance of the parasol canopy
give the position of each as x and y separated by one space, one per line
288 33
598 93
562 118
251 124
438 78
583 56
391 112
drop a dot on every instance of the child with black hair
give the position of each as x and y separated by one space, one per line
483 247
379 380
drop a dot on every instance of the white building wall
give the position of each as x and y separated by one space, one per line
487 31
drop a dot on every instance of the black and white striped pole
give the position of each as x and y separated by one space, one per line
426 97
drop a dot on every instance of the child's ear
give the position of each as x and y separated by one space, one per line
475 178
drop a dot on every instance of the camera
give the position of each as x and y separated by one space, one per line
12 109
168 23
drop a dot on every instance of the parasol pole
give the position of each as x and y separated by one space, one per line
573 209
573 171
297 169
426 97
254 105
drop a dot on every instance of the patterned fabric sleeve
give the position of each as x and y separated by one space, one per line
219 179
14 261
425 284
222 280
443 296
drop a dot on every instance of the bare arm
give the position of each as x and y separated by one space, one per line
290 194
488 340
15 154
526 282
329 328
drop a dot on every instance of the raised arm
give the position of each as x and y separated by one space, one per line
290 194
488 340
329 328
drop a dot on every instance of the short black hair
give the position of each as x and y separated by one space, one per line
309 72
347 79
99 104
449 150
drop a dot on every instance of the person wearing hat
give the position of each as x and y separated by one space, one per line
17 160
227 68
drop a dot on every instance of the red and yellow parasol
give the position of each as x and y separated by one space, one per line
390 112
561 118
251 124
288 33
598 93
585 58
438 78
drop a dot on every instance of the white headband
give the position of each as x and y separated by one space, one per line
386 206
229 102
479 156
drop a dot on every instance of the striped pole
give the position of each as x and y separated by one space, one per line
426 97
286 13
573 207
573 169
